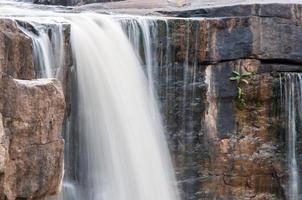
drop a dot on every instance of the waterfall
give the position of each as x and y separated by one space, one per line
48 45
123 151
292 102
120 139
143 33
177 83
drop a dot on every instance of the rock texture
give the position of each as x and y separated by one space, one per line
16 57
31 117
248 159
221 150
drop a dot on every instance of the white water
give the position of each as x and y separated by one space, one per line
176 84
123 150
48 45
142 32
123 139
293 109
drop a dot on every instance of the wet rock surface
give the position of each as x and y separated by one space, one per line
220 149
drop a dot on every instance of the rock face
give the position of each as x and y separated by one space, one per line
15 51
222 150
32 112
247 159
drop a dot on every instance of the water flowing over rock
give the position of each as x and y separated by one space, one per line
291 97
32 111
123 151
48 44
221 148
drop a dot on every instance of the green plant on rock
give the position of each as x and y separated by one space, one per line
241 78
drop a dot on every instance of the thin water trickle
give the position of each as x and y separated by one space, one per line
291 93
48 45
176 82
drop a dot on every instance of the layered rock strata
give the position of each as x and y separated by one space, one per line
222 150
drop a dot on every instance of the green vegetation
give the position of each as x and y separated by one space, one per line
241 78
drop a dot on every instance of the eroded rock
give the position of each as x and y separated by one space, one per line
15 51
31 117
33 112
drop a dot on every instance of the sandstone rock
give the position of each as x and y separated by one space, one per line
246 155
4 148
15 51
33 112
231 37
245 159
261 9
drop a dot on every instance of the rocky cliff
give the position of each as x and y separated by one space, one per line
31 117
221 148
224 150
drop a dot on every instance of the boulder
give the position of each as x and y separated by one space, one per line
32 149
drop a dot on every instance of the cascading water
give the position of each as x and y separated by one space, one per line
48 45
122 150
123 153
178 85
127 158
142 32
291 84
122 138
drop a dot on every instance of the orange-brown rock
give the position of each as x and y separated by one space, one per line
16 57
248 159
31 147
31 117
